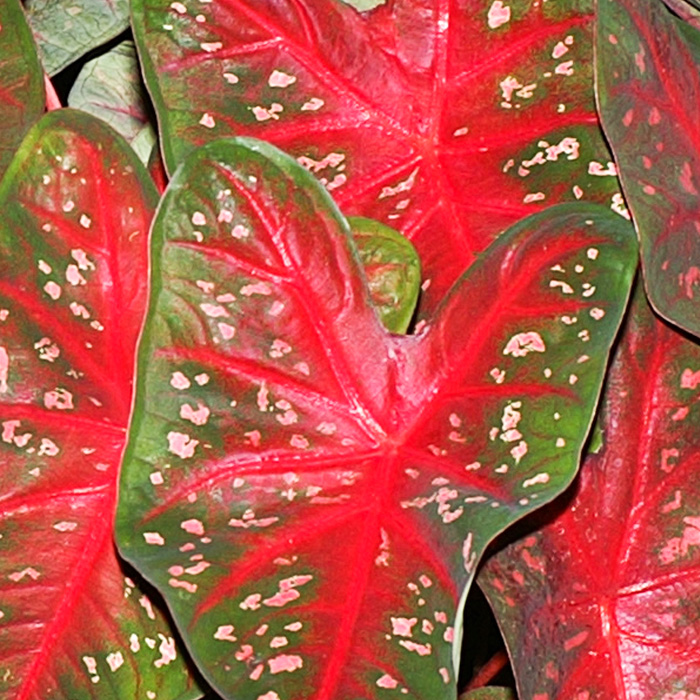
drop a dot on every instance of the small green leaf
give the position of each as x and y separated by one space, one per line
489 693
392 268
67 29
110 88
21 80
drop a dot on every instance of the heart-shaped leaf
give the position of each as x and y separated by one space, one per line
21 80
648 88
76 209
601 601
67 29
392 268
110 87
310 492
447 122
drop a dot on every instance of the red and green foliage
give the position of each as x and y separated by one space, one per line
608 609
447 121
652 123
320 427
305 488
73 275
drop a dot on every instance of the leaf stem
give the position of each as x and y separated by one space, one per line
52 100
488 671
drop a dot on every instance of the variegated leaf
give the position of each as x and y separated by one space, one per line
74 624
446 121
312 493
648 88
600 599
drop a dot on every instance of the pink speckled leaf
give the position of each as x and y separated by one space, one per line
649 88
601 601
447 121
76 208
310 492
21 80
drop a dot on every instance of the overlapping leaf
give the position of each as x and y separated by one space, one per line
446 121
602 601
67 29
21 80
110 87
73 247
688 10
649 87
311 493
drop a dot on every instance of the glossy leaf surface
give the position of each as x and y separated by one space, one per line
110 87
649 87
602 600
67 29
447 121
392 268
72 296
311 493
21 80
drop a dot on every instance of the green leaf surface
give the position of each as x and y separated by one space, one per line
489 693
648 90
392 268
74 624
21 80
65 30
312 493
110 87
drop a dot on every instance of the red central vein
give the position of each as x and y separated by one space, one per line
345 634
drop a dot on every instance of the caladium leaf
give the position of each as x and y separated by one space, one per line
602 601
392 268
72 296
67 29
648 87
21 80
310 492
110 87
446 122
